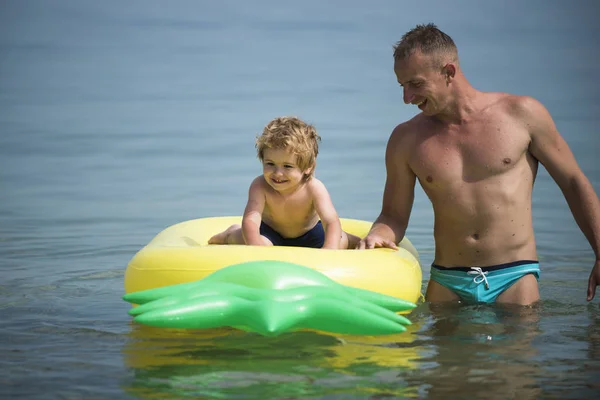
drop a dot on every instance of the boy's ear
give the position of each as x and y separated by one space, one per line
307 171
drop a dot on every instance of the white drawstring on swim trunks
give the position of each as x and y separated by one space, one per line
481 276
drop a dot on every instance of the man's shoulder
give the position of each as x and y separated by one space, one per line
524 111
403 133
513 104
410 125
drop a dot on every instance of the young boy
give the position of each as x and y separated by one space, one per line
287 205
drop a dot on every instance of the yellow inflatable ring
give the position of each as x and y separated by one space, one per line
180 254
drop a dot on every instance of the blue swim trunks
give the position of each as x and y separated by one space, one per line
483 284
314 238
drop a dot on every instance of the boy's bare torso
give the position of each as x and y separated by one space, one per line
291 215
479 177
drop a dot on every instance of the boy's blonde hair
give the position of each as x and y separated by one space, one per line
294 135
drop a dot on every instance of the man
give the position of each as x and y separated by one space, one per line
476 156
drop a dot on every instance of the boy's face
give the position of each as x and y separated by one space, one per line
281 170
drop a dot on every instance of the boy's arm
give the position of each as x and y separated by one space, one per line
327 213
253 213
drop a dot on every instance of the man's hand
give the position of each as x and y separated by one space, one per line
593 281
373 241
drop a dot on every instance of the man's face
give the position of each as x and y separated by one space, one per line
423 83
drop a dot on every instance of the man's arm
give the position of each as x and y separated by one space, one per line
253 213
548 146
398 196
327 213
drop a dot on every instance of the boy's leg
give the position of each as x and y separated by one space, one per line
348 241
231 235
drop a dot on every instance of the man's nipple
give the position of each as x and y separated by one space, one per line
429 179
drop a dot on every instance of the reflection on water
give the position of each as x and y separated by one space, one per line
231 362
451 351
484 351
592 363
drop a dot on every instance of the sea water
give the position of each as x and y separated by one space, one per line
118 119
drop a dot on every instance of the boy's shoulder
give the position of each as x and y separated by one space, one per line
315 186
259 180
258 187
314 182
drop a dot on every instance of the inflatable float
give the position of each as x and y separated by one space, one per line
180 254
182 282
270 297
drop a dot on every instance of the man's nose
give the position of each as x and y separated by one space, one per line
408 97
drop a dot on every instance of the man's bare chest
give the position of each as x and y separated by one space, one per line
472 154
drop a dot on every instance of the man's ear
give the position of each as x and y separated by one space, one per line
449 72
